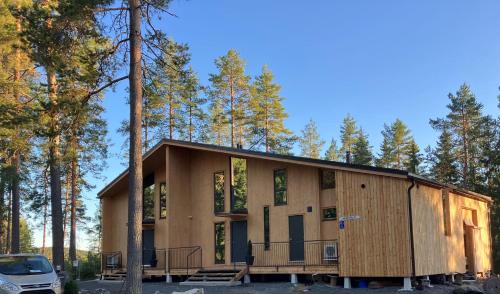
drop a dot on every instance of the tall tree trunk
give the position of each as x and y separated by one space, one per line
74 188
134 239
231 94
9 219
67 203
45 208
171 116
55 176
2 212
190 123
15 247
15 241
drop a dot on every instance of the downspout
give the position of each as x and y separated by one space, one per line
412 241
490 206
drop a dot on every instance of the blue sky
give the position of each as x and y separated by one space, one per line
377 60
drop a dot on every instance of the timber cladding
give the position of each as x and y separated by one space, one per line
371 221
437 252
375 239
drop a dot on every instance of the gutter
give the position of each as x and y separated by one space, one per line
412 240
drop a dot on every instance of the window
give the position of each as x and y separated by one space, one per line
267 242
280 182
148 199
220 244
163 200
327 179
219 191
446 213
238 184
330 213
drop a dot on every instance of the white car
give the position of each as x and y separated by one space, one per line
28 273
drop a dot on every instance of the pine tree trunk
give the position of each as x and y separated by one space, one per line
45 208
171 116
67 203
55 177
9 211
2 213
72 234
16 160
190 122
134 239
231 94
15 245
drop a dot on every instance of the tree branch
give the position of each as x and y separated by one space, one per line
103 9
97 91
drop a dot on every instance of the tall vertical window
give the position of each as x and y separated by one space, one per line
163 200
327 179
238 184
148 199
446 213
267 241
220 243
280 183
219 191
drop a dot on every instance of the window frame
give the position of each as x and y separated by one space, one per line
323 209
223 191
223 260
231 185
285 189
267 229
323 186
162 206
148 181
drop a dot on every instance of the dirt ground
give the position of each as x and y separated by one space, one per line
114 287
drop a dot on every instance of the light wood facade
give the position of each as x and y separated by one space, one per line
372 228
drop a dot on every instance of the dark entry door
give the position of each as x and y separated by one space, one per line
296 234
238 241
148 246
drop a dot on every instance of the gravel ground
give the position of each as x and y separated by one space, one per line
255 288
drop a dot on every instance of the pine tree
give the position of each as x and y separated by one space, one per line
332 151
394 147
441 160
386 157
267 113
464 121
219 128
192 102
348 132
310 141
362 153
171 73
414 157
230 89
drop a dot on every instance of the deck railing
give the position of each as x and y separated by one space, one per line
111 261
185 258
154 259
305 253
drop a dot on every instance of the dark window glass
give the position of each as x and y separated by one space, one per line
238 184
266 228
148 199
446 213
280 178
327 179
219 192
163 200
220 243
330 213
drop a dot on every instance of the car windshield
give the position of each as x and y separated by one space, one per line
24 265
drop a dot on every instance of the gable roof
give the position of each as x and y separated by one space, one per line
320 163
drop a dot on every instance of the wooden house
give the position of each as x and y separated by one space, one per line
203 203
